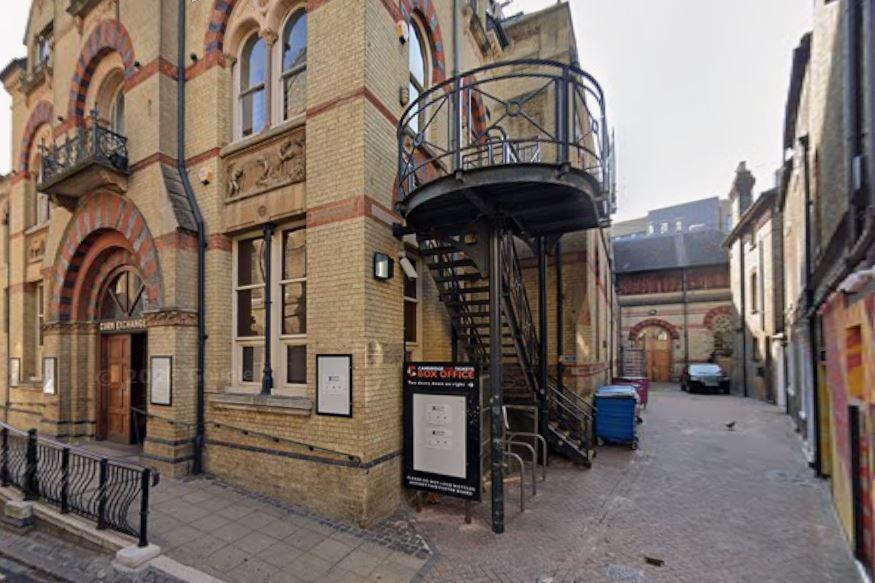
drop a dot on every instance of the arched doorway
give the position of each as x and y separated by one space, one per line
656 343
123 350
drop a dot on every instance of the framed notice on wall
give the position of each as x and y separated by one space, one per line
442 428
334 385
50 373
14 372
161 380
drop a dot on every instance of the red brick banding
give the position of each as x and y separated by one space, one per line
42 114
714 313
104 223
637 328
108 36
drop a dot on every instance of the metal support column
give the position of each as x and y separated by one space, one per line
559 314
496 400
542 334
267 373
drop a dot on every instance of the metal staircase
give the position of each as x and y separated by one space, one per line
459 268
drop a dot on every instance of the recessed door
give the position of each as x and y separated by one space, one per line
656 343
118 387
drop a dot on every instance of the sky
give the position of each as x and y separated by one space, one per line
693 88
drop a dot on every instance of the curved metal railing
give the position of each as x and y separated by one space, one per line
93 142
516 112
111 492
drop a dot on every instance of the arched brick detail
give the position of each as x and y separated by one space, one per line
41 114
714 313
108 268
637 328
214 42
103 225
108 36
428 17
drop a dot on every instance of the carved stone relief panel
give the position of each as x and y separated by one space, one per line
265 166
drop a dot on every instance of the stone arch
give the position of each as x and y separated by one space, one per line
714 313
109 35
214 41
41 115
637 328
105 228
428 17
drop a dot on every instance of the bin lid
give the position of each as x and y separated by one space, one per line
618 391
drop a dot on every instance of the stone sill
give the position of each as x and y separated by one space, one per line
276 404
248 142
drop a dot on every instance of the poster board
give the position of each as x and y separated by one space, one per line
161 380
334 385
14 371
442 428
50 373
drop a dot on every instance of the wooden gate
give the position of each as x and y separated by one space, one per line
656 343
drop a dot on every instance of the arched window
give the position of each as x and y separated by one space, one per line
417 62
293 61
117 112
252 79
122 298
39 207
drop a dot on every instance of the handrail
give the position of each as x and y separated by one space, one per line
95 487
92 142
508 126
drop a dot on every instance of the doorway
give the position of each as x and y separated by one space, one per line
123 388
656 343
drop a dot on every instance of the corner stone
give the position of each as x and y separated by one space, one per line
18 513
135 558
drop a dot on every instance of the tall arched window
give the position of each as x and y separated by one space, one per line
117 112
418 66
251 95
294 64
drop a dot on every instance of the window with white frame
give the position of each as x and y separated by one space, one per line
419 69
249 310
252 87
39 321
293 63
288 287
412 313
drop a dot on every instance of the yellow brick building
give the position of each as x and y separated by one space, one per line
264 184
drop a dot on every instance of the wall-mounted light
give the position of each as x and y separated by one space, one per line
384 267
193 57
403 31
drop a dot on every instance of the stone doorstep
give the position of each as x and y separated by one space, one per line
129 557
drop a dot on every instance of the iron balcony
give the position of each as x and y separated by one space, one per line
525 140
94 158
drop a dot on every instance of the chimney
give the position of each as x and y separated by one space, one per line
741 194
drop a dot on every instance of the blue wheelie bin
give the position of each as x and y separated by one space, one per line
616 419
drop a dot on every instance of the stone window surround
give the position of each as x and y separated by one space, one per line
273 84
415 348
278 342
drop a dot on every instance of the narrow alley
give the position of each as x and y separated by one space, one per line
708 503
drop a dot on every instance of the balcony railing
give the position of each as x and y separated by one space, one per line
112 493
92 144
506 114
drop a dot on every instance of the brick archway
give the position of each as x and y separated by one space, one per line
714 313
106 229
41 115
637 328
428 16
108 36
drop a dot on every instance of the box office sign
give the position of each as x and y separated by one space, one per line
442 429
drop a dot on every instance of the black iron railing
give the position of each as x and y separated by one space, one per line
517 112
92 143
112 493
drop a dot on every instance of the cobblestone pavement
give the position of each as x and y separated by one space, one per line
43 554
711 504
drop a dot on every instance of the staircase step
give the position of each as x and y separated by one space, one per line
443 250
465 291
460 277
452 264
468 303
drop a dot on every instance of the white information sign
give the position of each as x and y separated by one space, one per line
439 438
14 372
160 375
49 373
334 385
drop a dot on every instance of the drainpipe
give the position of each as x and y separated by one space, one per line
560 315
6 312
743 286
684 285
198 464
